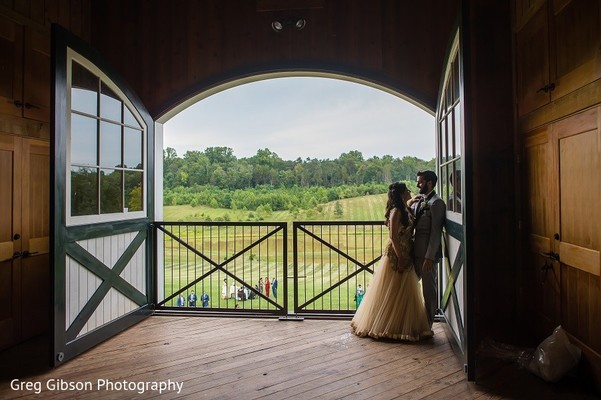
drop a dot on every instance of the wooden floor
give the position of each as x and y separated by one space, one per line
232 358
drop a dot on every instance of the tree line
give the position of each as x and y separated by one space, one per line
216 177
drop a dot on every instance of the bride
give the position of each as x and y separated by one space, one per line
393 306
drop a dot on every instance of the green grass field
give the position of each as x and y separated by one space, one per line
366 208
319 266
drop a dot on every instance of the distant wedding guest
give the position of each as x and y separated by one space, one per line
274 287
267 286
261 284
224 289
204 299
181 301
233 290
359 295
192 299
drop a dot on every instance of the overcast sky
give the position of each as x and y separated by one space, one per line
304 117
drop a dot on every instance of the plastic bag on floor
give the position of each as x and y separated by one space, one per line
554 357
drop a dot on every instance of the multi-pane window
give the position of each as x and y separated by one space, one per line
106 149
449 139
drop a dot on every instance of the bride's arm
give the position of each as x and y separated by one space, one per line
395 220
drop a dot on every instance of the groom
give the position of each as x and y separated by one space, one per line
429 210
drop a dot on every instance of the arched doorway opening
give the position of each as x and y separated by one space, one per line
291 117
358 117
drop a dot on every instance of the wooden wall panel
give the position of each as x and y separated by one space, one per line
581 306
577 60
10 200
11 65
10 225
567 56
526 9
580 189
35 184
25 49
541 301
35 295
567 178
532 58
37 11
36 83
39 195
539 202
579 152
40 14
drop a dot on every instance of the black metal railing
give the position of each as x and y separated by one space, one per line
231 262
332 261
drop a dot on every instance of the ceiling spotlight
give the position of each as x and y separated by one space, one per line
277 26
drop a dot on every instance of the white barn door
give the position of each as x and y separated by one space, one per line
451 184
103 141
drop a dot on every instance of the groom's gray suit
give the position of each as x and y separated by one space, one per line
430 216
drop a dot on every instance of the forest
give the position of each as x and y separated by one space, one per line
216 178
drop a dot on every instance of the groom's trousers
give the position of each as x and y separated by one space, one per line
429 287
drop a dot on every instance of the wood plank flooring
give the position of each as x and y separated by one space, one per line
235 358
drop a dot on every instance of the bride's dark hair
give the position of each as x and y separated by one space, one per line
395 200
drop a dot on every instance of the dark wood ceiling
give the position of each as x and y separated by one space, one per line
170 51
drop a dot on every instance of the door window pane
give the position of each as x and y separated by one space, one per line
111 198
457 130
129 119
455 182
110 105
84 143
84 193
445 140
444 187
84 90
132 152
110 144
133 190
441 138
456 87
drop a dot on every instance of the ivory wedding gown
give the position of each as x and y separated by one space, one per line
393 305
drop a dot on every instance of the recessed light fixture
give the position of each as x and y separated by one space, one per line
298 23
277 26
